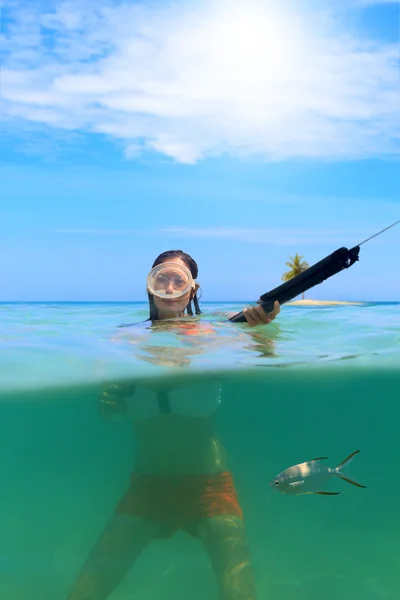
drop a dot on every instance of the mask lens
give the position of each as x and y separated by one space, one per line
169 280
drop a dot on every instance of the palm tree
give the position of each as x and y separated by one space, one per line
296 266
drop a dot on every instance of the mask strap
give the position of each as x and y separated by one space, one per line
189 308
196 305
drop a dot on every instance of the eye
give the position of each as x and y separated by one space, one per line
276 483
179 283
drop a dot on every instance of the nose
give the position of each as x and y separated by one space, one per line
169 288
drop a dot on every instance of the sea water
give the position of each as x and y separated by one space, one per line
315 382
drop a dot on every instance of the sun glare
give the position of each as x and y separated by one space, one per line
250 43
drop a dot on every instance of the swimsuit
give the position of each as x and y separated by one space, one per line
178 501
196 401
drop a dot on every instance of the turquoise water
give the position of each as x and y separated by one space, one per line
316 382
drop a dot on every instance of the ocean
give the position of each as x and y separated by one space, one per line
318 381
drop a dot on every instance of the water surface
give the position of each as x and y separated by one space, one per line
318 381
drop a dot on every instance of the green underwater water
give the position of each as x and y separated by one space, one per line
64 469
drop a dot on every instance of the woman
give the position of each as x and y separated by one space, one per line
181 478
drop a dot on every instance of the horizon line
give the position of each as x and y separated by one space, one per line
205 302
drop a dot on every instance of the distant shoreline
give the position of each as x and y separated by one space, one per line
322 303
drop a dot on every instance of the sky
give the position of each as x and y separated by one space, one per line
241 133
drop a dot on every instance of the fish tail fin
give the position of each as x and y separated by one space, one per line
352 481
345 463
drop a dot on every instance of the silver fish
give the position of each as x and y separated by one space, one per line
311 476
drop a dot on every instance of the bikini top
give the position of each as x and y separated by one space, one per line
196 401
136 402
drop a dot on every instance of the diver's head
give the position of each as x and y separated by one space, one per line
171 285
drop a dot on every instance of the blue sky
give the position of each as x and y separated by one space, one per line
240 134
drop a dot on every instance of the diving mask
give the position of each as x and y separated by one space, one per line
170 281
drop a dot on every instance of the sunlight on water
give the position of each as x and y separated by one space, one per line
85 344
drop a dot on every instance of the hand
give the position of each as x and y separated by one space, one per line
112 404
256 315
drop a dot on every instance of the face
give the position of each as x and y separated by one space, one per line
168 308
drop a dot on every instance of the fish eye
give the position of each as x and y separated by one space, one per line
276 483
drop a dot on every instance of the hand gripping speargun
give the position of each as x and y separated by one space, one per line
341 259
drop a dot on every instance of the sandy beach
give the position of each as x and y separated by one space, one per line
322 303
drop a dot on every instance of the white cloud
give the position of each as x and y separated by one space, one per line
98 231
269 236
372 2
277 79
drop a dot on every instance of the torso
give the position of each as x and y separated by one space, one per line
175 430
174 444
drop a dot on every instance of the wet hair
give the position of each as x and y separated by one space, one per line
191 265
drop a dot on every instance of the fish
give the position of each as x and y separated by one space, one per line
310 477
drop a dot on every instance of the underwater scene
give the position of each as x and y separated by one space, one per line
152 461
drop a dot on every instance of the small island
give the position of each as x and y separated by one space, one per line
322 303
298 266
